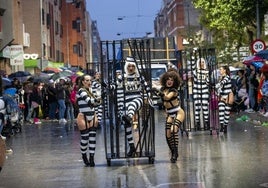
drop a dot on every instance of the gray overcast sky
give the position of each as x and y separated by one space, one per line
138 17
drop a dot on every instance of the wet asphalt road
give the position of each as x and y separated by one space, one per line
48 156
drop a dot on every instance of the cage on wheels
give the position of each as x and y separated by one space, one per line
129 125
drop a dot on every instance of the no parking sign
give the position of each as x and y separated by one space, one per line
257 45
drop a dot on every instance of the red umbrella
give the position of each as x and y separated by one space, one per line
52 69
248 60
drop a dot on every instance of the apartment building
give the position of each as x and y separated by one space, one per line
42 20
11 33
177 18
76 33
51 33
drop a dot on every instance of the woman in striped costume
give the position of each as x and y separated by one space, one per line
132 84
87 119
201 92
170 82
226 97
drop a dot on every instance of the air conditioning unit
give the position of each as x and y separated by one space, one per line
26 39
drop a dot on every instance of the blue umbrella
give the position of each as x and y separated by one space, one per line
6 82
258 64
263 54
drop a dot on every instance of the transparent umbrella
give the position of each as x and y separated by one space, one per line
62 74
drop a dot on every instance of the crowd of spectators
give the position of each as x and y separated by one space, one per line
251 90
50 100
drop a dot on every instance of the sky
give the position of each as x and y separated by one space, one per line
137 17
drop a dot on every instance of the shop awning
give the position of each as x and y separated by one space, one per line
30 63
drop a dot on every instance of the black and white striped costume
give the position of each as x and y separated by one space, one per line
224 87
130 96
133 99
201 91
119 92
86 104
96 90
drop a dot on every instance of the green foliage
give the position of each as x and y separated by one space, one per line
234 20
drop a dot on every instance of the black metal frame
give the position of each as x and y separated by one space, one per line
115 140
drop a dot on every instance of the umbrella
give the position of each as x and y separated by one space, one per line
44 78
248 60
79 73
62 74
52 69
262 54
6 82
257 64
19 74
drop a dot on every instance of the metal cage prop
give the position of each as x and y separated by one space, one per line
193 108
143 126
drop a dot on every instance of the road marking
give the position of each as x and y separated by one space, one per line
145 178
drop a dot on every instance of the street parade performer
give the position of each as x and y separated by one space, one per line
170 82
133 84
87 119
201 92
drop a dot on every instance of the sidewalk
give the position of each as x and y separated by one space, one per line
255 118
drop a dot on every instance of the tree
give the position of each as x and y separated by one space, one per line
234 20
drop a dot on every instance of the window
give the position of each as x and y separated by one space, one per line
57 55
76 24
57 28
80 49
75 49
60 4
43 17
44 50
61 30
48 21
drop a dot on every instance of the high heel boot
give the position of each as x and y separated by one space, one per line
84 157
225 129
131 150
174 155
222 128
91 160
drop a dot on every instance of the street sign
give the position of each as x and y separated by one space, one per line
258 45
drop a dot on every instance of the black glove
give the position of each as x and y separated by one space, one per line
161 93
154 91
